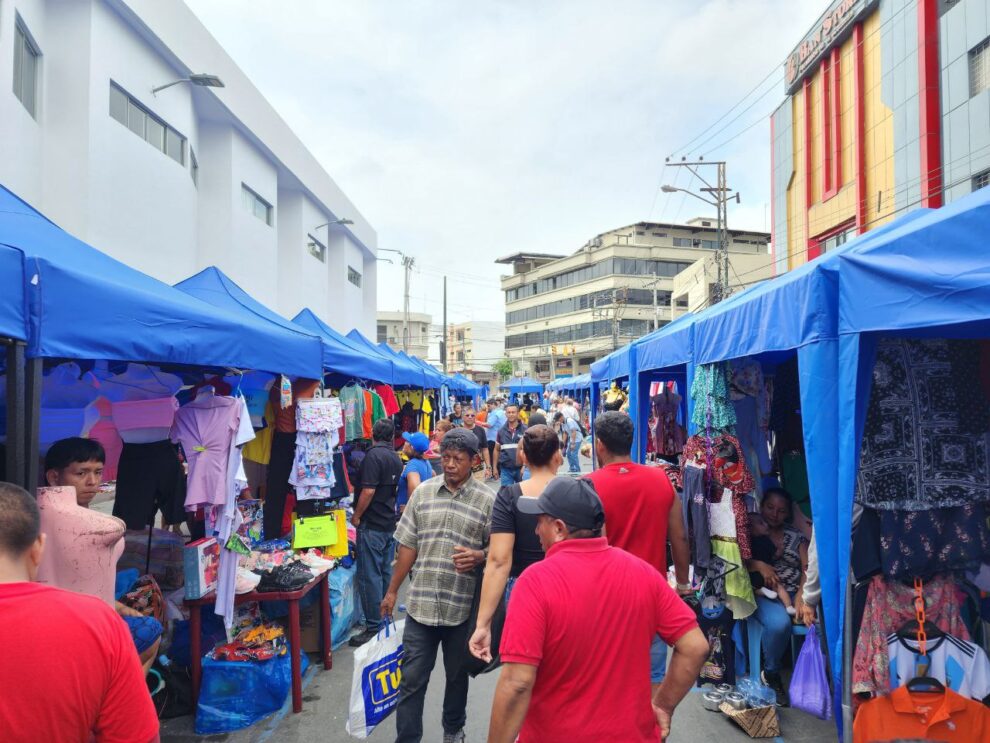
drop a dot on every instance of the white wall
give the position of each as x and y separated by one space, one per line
22 135
106 185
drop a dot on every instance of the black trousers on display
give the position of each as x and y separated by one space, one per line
279 469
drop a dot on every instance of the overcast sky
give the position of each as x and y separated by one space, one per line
466 131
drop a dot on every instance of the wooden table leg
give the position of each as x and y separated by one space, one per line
195 632
326 622
295 646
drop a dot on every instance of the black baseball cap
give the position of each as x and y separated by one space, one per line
572 500
461 438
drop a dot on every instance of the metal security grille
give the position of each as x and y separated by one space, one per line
981 179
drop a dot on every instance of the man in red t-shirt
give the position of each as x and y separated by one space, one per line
642 511
575 647
68 670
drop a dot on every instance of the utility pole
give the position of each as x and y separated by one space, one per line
720 200
444 324
407 264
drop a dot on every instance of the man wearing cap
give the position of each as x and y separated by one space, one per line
575 647
374 519
444 533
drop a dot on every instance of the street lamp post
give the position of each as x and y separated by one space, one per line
407 263
202 80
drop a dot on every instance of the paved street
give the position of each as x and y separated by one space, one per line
327 696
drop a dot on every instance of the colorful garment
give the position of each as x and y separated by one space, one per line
352 401
389 401
924 442
922 543
889 605
205 428
710 394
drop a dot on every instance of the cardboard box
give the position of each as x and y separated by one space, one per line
201 563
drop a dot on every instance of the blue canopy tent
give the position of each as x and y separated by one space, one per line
214 287
405 374
64 280
434 378
522 386
56 289
927 277
466 387
348 358
794 313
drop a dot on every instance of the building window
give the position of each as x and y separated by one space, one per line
831 126
146 125
316 249
354 277
979 68
26 55
981 180
256 205
193 167
541 366
382 333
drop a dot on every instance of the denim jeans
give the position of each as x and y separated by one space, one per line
420 643
375 551
509 476
777 629
574 464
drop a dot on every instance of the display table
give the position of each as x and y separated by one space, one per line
292 597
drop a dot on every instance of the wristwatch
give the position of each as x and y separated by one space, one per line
683 586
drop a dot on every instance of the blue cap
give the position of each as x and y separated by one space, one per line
418 441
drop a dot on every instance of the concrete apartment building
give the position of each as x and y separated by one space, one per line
473 347
562 313
173 181
390 326
692 290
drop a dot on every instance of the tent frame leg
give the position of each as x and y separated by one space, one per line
16 464
32 423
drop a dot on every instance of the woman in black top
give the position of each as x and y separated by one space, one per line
514 545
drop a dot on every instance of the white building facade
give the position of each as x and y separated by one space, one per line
172 182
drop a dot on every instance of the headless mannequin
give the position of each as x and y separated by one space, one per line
141 383
82 546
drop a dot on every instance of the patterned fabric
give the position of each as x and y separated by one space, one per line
922 543
888 606
668 435
924 443
704 451
319 415
435 521
788 564
710 394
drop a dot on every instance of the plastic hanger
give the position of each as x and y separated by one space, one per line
926 683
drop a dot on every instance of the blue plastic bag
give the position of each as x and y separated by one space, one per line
236 694
809 685
343 601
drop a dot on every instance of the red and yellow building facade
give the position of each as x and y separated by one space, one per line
858 139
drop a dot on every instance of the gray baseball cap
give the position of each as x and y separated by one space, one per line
572 500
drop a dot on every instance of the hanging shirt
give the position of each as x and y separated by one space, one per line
425 420
205 427
366 420
389 400
285 418
352 399
961 665
908 715
377 408
259 449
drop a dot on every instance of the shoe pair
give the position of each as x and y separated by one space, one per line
360 639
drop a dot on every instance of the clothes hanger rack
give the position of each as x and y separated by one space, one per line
922 630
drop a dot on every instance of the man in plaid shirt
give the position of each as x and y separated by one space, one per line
444 532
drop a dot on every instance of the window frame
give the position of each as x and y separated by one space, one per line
321 253
25 42
351 274
269 210
142 116
978 62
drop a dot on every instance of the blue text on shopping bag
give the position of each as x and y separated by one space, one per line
380 687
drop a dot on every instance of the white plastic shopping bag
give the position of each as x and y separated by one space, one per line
375 684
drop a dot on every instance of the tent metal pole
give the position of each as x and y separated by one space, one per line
32 423
16 464
847 661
